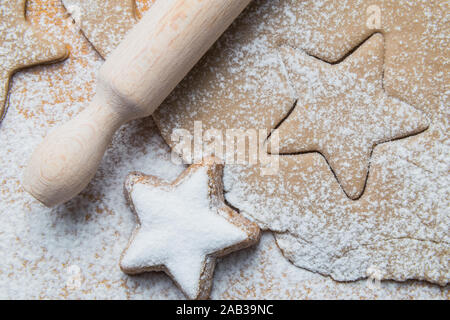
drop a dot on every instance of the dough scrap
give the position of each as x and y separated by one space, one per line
400 224
104 23
405 205
22 45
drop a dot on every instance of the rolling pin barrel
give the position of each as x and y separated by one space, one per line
152 59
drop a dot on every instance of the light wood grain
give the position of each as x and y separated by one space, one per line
152 59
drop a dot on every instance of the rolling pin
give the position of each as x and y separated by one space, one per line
148 64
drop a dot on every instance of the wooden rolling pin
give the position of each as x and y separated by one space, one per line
152 59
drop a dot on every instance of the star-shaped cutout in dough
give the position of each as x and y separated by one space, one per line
21 45
183 227
104 23
342 111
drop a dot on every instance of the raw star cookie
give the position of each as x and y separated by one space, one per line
342 111
183 227
104 23
22 45
416 41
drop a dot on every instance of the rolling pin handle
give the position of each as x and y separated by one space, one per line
67 159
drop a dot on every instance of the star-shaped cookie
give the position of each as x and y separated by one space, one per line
342 111
21 45
183 227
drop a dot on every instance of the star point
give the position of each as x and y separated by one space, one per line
343 111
